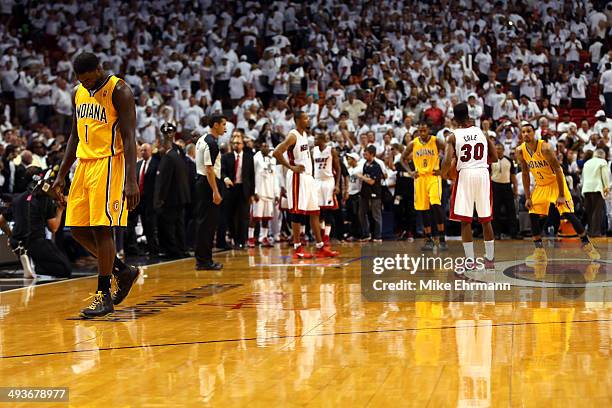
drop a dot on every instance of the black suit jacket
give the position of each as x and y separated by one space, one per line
228 165
172 182
149 179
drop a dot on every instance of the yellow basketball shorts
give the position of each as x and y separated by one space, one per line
427 192
543 196
96 194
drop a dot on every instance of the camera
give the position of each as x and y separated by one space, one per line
45 181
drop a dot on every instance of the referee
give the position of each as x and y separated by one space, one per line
505 189
208 194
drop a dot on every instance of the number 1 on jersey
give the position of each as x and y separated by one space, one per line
86 137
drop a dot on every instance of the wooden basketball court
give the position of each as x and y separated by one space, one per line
267 332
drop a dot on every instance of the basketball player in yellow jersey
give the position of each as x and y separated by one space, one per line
538 157
427 184
104 187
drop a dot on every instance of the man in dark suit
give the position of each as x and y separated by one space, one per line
146 172
190 154
172 194
238 174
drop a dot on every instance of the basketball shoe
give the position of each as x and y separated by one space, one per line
300 253
124 278
539 255
265 242
429 245
251 243
590 250
101 305
326 252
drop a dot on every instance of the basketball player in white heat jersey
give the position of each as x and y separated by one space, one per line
474 151
302 191
265 193
327 176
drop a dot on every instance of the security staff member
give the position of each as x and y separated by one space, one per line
33 210
172 194
208 193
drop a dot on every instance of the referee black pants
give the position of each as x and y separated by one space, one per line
207 216
503 199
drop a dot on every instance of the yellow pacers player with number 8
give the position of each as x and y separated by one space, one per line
428 183
538 157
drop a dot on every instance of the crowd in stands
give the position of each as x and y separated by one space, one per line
367 73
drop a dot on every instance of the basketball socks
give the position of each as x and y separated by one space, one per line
538 243
264 233
302 229
468 247
251 232
104 283
489 250
319 245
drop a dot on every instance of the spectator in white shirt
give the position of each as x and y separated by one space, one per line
585 131
62 103
236 87
572 49
147 125
192 116
527 82
23 86
601 122
529 111
579 84
41 98
312 110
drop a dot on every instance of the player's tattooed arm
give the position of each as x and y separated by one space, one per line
552 161
449 153
278 154
69 156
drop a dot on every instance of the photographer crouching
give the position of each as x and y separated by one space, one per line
32 211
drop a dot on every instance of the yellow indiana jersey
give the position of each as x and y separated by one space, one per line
97 121
538 166
425 155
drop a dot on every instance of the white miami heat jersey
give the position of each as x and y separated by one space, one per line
323 163
265 175
299 153
471 148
